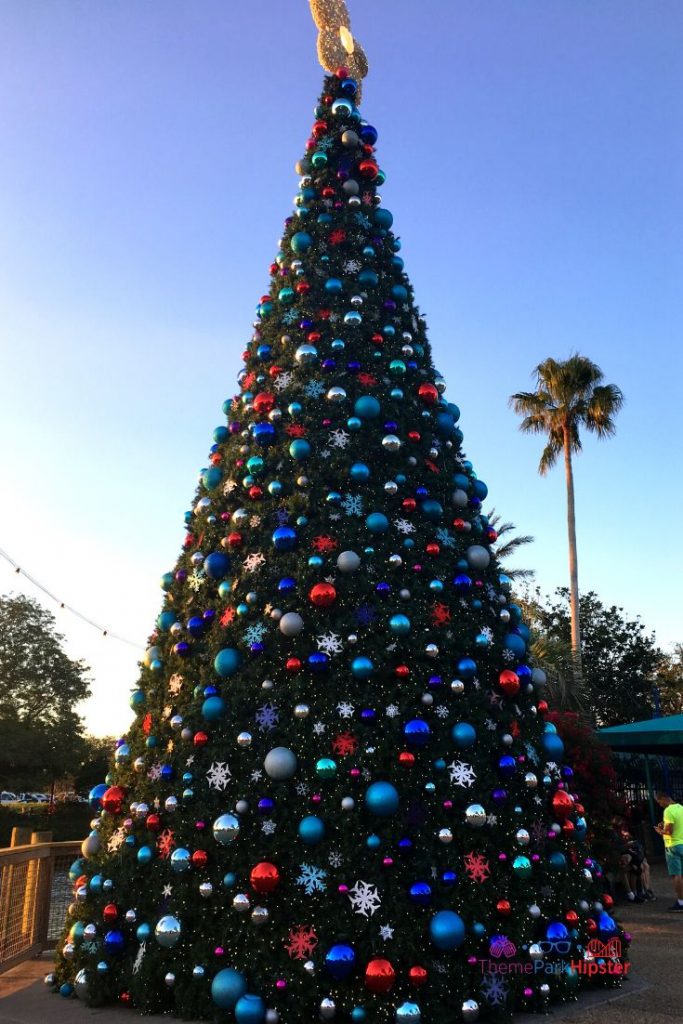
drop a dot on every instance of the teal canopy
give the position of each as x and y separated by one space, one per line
653 736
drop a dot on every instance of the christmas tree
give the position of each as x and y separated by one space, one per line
341 798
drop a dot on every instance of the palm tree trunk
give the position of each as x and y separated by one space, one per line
573 560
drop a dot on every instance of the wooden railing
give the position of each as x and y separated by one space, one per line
34 894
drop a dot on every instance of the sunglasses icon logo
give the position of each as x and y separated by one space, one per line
560 946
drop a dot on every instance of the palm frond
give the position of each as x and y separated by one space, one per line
549 456
504 551
604 404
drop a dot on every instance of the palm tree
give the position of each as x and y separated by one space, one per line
509 545
569 395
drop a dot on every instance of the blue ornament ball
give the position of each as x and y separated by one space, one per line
299 449
381 798
553 747
311 830
250 1009
227 662
557 861
606 924
417 733
114 942
467 668
359 472
367 407
383 218
301 242
432 510
95 797
212 477
513 642
399 625
216 565
377 522
213 709
463 735
420 893
78 867
165 620
227 987
284 538
362 667
340 962
263 434
447 930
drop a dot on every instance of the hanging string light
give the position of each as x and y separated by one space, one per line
64 606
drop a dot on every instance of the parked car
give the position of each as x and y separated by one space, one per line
7 797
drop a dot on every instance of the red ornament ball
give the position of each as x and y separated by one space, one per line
509 682
322 595
428 394
368 169
503 907
293 665
112 801
153 822
125 998
200 858
380 976
432 548
200 739
573 917
110 913
402 671
563 805
235 540
265 877
417 976
406 758
409 504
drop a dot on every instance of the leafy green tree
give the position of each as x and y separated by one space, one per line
40 689
570 396
97 753
669 681
621 659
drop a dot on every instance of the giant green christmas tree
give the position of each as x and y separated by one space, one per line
340 798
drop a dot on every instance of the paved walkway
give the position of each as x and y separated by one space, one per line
652 995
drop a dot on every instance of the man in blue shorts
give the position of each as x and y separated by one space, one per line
671 830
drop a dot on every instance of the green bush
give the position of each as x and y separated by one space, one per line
68 821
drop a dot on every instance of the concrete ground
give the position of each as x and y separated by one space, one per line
653 994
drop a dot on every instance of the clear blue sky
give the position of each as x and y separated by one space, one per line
534 159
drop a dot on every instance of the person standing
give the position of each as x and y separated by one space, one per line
671 830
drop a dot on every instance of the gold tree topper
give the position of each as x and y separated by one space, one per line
336 45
